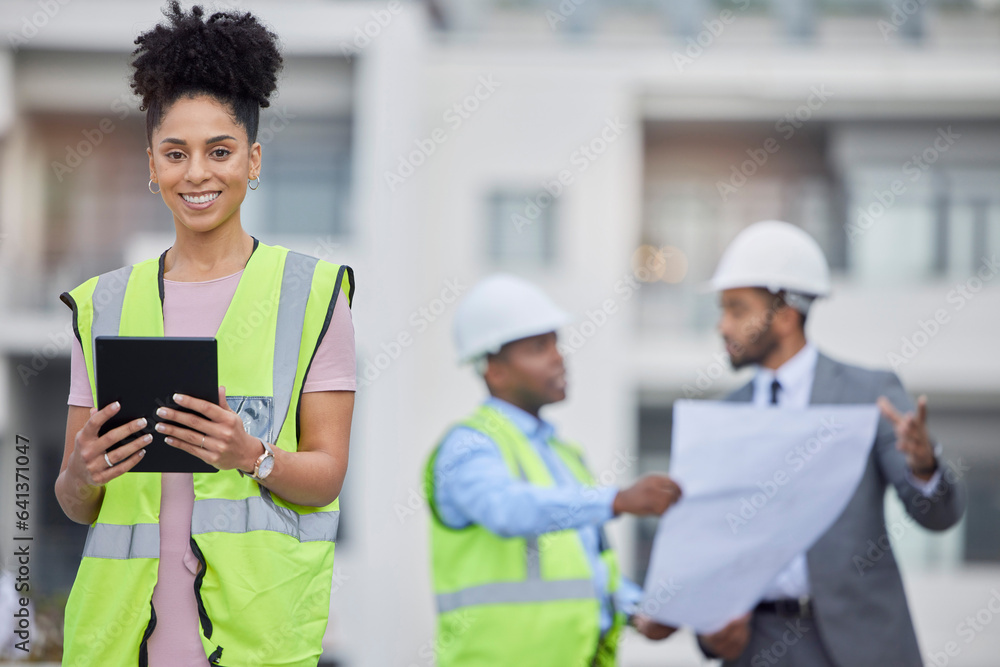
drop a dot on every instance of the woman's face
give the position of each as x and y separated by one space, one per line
202 160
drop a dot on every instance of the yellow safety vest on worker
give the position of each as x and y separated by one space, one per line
517 601
263 589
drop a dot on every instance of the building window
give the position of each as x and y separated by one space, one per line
305 179
93 171
982 540
521 228
902 230
656 423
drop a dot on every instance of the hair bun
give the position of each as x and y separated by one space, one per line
230 55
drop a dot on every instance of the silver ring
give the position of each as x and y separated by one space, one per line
202 445
108 461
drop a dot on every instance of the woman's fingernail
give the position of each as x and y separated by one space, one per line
179 398
140 422
142 452
147 438
115 405
161 412
168 440
160 427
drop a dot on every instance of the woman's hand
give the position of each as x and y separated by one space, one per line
84 471
312 475
89 460
216 435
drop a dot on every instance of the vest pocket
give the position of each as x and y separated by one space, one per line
257 414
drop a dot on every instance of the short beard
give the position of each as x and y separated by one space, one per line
756 353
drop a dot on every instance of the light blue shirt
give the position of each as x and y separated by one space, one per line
473 485
796 379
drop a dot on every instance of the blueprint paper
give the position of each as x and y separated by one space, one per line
760 486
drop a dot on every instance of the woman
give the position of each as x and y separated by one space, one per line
233 567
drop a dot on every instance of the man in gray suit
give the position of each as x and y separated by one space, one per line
841 603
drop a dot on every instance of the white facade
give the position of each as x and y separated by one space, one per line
496 109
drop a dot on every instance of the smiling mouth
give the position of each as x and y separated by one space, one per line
200 199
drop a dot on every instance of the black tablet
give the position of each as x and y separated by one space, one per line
144 374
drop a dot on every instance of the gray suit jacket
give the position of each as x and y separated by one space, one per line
858 596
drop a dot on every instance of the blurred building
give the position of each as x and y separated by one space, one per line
606 150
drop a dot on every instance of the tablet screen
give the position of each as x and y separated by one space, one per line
143 374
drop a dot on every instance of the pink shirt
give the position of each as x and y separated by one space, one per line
197 309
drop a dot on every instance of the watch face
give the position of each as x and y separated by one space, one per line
265 467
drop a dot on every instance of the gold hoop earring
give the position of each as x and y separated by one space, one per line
150 186
250 180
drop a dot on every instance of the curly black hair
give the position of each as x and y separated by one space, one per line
231 57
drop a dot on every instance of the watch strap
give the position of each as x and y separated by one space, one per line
268 451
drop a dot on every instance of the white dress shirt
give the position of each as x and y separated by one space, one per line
796 379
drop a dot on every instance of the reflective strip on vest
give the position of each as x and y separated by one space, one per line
532 589
218 515
108 299
296 282
215 514
533 557
514 592
108 540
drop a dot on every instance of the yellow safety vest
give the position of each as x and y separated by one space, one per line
517 601
263 590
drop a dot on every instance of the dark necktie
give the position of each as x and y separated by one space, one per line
775 387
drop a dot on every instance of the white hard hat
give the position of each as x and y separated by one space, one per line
500 309
776 256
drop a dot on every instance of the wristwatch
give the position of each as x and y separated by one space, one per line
263 466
